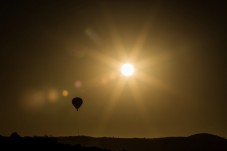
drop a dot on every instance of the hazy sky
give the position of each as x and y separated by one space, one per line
54 51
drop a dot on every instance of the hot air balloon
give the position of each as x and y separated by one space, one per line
77 102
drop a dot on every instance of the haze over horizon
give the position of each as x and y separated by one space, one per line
53 51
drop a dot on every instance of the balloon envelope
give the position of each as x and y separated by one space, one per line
77 102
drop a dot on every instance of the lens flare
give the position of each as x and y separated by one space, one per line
65 92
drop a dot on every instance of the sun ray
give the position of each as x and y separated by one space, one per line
119 47
105 59
113 100
138 97
137 48
155 82
116 95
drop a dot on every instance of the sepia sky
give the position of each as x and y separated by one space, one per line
53 51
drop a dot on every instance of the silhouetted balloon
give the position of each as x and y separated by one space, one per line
77 102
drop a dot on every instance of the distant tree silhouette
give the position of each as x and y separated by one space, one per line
16 142
14 135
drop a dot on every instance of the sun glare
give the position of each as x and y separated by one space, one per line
127 69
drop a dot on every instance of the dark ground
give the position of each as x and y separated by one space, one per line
205 142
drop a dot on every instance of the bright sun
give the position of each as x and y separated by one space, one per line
127 69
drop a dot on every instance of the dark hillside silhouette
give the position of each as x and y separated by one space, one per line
202 142
15 142
205 142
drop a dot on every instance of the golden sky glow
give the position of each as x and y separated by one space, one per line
175 85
